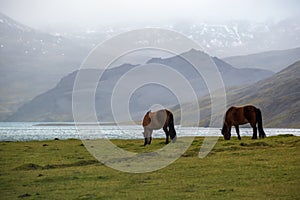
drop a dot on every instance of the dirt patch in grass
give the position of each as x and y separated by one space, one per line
255 144
32 166
29 166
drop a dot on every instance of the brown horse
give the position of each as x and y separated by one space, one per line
236 116
157 120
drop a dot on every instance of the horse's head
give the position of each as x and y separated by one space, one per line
148 136
226 131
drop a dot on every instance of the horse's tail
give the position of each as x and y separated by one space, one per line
262 134
171 126
171 121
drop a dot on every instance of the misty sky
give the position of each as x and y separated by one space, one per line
40 13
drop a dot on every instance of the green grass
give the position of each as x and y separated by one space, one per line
246 169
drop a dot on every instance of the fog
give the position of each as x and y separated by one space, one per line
42 13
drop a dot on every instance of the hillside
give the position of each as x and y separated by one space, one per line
31 62
231 75
56 104
270 60
278 97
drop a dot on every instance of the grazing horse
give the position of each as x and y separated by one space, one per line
236 116
157 120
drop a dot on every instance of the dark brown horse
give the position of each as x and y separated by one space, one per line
236 116
157 120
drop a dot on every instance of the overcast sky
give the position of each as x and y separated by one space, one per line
37 13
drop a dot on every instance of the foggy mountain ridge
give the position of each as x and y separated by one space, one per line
222 39
32 62
271 60
56 104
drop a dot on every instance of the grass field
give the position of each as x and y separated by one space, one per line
246 169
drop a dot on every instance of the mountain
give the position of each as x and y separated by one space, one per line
277 97
270 60
231 75
56 104
221 39
231 38
31 62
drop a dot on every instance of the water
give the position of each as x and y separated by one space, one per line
14 131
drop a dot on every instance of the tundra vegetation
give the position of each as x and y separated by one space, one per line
235 169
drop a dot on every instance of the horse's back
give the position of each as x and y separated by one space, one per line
232 111
241 109
250 114
155 120
241 114
249 109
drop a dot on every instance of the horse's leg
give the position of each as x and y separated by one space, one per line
145 136
150 139
237 131
229 131
167 134
254 136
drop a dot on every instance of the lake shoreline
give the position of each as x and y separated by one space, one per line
48 131
244 138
